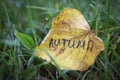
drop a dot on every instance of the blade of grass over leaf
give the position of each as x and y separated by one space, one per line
57 66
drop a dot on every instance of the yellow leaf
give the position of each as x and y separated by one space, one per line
70 42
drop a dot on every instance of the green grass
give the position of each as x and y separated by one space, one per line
34 19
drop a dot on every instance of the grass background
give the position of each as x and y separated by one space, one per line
34 18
